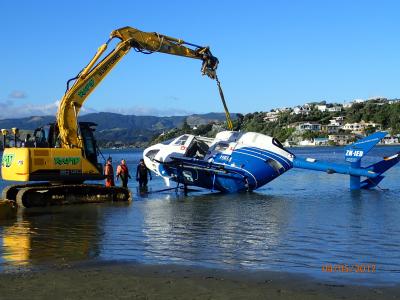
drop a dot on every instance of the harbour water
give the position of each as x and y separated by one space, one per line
299 223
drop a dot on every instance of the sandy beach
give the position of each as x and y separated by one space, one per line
131 281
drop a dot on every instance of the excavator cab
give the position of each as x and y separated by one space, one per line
48 137
42 157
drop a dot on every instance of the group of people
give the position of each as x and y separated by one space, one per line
123 173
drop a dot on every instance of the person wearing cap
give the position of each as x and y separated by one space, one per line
123 173
109 172
141 174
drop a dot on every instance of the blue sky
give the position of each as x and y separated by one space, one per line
272 54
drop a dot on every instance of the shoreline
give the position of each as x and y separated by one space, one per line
121 280
292 146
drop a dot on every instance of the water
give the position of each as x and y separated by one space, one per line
298 223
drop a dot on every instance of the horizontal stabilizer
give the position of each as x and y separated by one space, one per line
370 183
385 164
356 151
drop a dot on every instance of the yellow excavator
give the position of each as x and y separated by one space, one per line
62 155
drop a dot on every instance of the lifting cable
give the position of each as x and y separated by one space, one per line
228 116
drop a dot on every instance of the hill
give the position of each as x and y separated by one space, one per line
121 129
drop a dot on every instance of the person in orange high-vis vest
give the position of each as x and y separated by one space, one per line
123 173
109 172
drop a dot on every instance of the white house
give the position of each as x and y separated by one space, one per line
347 105
338 121
283 109
307 126
330 128
350 104
321 107
335 109
341 139
302 110
360 127
389 139
271 116
321 141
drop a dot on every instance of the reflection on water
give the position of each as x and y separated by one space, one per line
51 235
297 223
16 244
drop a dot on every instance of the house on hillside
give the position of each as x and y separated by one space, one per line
314 142
350 104
308 126
271 116
341 139
330 128
389 139
359 128
338 121
304 110
283 109
321 141
335 108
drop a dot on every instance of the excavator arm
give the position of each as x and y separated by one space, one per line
88 79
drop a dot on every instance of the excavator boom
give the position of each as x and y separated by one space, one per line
96 71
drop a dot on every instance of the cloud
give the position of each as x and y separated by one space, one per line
11 110
17 95
149 111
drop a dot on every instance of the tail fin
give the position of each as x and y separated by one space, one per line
356 151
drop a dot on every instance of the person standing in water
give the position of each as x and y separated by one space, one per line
141 174
123 173
109 172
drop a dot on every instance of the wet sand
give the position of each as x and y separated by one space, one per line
131 281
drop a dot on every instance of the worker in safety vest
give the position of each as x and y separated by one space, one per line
109 172
123 173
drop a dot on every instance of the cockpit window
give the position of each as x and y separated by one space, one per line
221 147
182 140
152 153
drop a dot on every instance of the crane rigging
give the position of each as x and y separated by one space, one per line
64 153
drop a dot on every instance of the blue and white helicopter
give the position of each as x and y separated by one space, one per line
237 161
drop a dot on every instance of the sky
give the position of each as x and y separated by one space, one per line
272 54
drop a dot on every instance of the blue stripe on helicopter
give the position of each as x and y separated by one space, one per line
265 153
262 157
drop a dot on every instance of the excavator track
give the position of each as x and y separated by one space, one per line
10 192
37 195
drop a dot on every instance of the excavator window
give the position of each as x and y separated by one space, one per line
41 137
89 143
